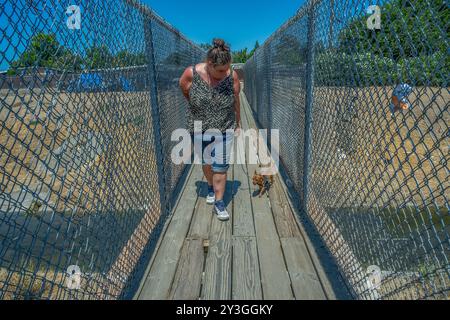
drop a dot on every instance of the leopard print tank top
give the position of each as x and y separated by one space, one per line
214 106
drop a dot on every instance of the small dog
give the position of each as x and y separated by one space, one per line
267 168
263 181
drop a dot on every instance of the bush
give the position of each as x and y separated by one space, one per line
359 69
365 69
408 29
429 70
411 47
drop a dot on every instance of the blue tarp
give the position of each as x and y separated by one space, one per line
95 82
126 84
90 81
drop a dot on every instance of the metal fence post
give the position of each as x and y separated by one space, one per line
254 86
156 120
330 28
269 92
308 107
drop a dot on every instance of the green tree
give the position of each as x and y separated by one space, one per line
409 28
98 57
289 51
175 58
45 51
68 61
124 58
205 46
410 47
254 48
240 56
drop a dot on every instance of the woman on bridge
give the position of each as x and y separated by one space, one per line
212 89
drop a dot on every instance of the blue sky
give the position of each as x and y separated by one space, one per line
239 22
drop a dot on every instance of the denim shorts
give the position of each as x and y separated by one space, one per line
214 151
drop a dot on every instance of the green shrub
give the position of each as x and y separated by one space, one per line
365 69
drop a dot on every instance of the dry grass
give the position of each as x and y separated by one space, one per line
36 126
414 287
38 284
401 159
389 163
386 163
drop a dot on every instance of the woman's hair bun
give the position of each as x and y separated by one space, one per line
219 53
220 43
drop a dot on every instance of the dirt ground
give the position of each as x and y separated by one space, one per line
394 166
400 159
76 151
364 159
71 148
73 153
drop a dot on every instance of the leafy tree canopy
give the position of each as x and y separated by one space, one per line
409 28
45 51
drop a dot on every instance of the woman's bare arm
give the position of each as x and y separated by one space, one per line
186 81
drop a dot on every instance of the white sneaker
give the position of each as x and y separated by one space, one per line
210 198
221 211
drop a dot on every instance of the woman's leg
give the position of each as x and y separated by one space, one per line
216 179
221 165
219 182
207 171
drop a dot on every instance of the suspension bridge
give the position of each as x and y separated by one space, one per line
92 207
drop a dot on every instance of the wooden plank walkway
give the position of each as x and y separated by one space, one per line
260 253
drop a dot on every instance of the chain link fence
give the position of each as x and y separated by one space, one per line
88 98
359 91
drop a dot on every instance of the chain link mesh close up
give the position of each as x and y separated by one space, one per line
86 115
370 164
